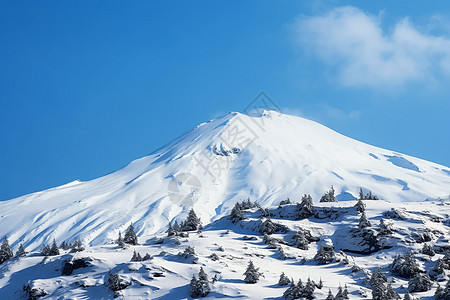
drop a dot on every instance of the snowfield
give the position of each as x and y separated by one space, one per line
269 159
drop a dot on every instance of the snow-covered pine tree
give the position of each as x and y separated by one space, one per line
407 296
5 251
193 287
176 226
390 293
77 246
340 294
420 283
199 287
130 236
188 252
428 250
236 214
192 222
252 274
147 257
45 250
120 241
115 282
299 239
308 290
360 206
378 283
54 249
324 255
170 230
136 256
304 209
363 221
361 194
64 245
329 196
386 227
21 251
405 266
284 280
319 285
202 275
330 295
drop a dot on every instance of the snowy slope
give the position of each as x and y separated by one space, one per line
212 166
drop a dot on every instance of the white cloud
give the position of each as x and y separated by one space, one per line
364 55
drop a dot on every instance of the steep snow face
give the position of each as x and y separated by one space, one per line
212 166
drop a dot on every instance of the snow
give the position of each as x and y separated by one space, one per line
228 159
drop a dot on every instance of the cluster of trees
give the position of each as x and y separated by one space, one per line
367 196
299 290
129 238
137 257
191 223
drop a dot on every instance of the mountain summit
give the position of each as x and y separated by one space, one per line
233 157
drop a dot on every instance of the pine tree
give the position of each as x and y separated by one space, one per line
299 239
305 208
115 282
378 283
200 287
284 280
120 241
360 206
390 293
176 226
339 294
428 250
54 249
236 214
330 295
194 287
308 290
325 255
252 274
5 251
329 196
136 256
192 222
386 227
361 194
147 257
21 251
420 283
130 236
364 222
405 266
77 246
202 275
170 230
45 250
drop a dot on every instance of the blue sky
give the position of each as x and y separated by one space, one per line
88 86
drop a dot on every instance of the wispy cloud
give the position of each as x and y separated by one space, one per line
364 55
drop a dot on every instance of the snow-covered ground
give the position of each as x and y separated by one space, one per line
209 168
167 275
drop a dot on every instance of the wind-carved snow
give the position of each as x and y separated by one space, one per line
228 159
402 162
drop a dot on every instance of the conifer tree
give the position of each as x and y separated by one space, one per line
115 282
361 194
329 196
21 251
364 222
45 250
136 256
420 283
305 208
360 206
407 296
200 287
299 239
120 241
170 230
5 251
252 274
284 280
330 295
308 290
325 255
77 246
405 266
236 214
192 222
54 249
428 250
130 236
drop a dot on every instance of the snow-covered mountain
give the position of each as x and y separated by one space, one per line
228 159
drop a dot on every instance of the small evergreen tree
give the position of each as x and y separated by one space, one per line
360 206
361 194
305 208
284 280
54 249
5 251
45 250
405 266
136 256
77 246
120 241
188 252
325 255
236 214
364 222
407 296
427 249
299 239
115 282
200 287
170 230
386 227
390 293
147 257
420 283
21 251
252 274
192 222
329 196
130 236
330 295
308 290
